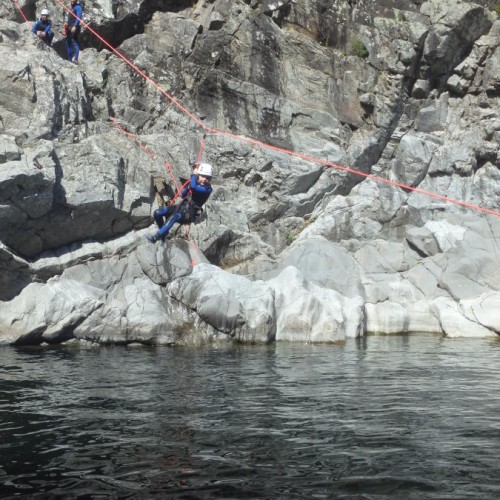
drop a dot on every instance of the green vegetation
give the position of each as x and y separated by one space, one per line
497 9
289 237
358 49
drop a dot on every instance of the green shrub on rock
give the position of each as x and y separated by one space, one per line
358 49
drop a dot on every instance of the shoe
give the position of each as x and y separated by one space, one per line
74 61
152 238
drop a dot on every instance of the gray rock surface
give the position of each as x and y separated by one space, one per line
385 218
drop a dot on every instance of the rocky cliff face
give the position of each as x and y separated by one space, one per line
357 187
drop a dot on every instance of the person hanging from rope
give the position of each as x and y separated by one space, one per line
194 196
71 30
43 28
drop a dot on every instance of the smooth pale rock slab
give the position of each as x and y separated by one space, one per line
323 263
308 313
136 311
229 303
454 323
484 310
423 240
392 317
47 312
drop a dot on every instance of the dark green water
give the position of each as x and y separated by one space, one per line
410 417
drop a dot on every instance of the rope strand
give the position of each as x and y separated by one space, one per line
264 145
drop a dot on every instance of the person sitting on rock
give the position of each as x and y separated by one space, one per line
72 30
194 196
43 28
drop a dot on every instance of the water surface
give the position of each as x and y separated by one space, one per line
407 417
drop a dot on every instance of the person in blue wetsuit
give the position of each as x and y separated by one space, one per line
194 196
43 27
72 29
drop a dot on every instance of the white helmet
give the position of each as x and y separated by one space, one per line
205 169
45 12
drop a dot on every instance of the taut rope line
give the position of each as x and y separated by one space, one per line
264 145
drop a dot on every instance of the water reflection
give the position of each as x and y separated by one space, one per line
383 417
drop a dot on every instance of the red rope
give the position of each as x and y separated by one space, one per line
353 171
170 169
135 68
179 191
134 138
194 260
22 14
200 152
269 146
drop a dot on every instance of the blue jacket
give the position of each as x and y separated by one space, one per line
199 193
41 25
75 15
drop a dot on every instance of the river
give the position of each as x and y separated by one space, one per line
405 416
